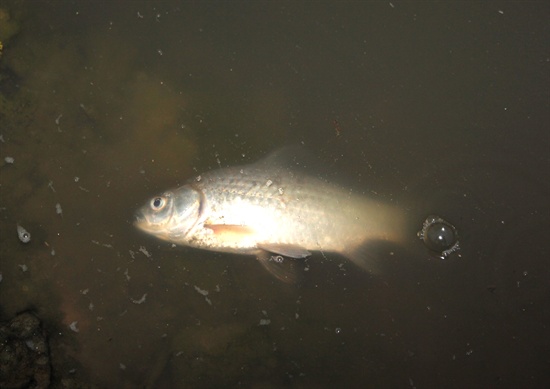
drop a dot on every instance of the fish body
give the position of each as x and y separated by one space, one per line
268 208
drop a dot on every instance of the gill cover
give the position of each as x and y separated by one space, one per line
171 215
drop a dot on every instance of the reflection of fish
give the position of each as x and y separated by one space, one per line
267 208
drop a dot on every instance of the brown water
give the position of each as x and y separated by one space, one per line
438 108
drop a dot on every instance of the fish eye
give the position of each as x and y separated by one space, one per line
158 203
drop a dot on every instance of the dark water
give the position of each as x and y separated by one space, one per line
438 108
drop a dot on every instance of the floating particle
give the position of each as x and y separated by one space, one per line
144 251
204 293
23 234
9 160
141 300
201 291
73 326
264 322
277 258
58 209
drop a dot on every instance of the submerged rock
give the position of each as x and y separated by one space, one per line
24 353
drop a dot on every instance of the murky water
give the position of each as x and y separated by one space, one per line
438 109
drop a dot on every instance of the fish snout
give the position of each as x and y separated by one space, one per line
139 219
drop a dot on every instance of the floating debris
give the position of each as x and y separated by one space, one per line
141 300
73 326
266 321
144 251
24 268
107 245
204 293
23 234
57 119
201 291
58 209
9 160
277 258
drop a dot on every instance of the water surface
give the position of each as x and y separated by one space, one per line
436 108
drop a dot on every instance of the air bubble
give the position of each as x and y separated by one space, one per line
439 236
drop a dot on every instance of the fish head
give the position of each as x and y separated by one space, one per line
171 215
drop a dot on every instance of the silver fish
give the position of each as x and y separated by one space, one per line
266 208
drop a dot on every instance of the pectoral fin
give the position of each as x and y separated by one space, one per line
374 255
284 269
286 250
230 230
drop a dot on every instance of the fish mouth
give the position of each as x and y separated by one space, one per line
140 221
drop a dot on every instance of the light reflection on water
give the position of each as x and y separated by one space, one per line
103 109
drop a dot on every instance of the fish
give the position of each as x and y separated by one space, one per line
271 209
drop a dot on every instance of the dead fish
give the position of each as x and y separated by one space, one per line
269 210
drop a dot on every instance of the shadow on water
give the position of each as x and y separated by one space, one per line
413 105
